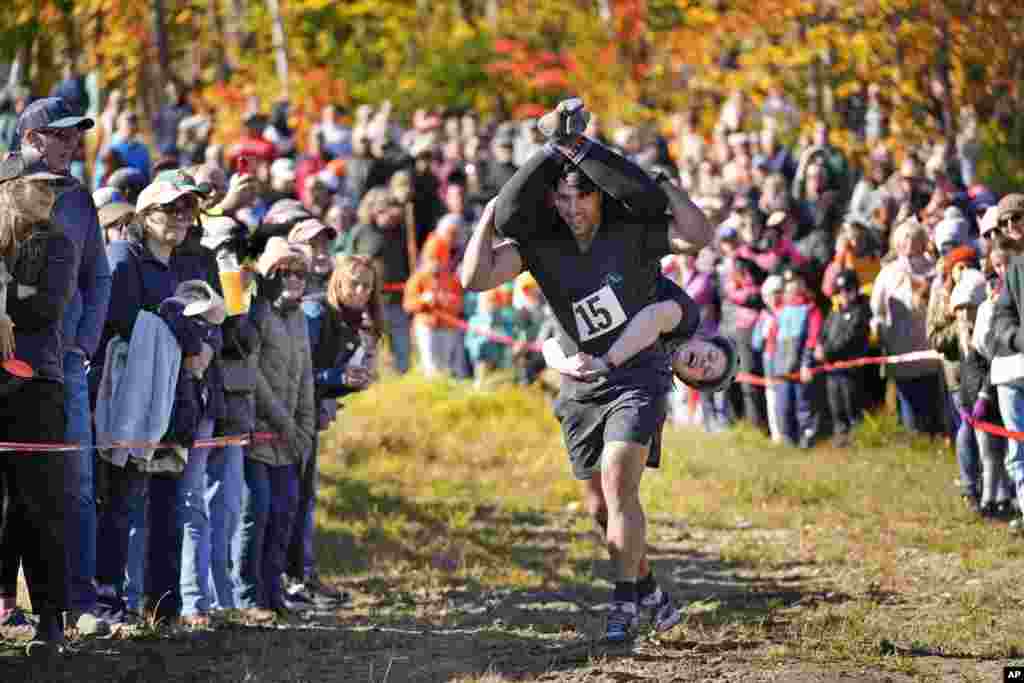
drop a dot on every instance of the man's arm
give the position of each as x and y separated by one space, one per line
76 209
689 231
486 265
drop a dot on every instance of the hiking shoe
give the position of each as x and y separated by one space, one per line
312 593
88 624
45 649
662 610
623 621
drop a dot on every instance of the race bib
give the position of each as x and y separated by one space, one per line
598 313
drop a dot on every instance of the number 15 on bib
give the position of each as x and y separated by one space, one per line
598 314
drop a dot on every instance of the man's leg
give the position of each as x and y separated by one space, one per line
622 466
80 508
597 508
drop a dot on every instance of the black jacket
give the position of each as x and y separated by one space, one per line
975 382
846 331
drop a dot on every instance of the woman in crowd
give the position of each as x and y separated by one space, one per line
142 279
344 348
285 406
899 301
40 260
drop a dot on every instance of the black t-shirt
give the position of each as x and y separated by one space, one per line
387 245
595 294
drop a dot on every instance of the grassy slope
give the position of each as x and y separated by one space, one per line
414 470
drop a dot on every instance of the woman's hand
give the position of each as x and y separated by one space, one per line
6 337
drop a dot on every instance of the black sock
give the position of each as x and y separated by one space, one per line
625 591
646 585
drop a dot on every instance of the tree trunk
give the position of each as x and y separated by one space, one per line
280 46
163 50
222 40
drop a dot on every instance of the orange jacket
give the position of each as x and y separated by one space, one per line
428 292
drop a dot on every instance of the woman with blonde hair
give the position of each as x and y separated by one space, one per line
899 301
343 345
40 259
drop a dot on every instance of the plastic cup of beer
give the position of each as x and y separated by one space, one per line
236 285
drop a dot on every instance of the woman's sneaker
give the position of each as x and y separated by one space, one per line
623 621
663 611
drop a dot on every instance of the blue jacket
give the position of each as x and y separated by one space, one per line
797 332
75 215
140 282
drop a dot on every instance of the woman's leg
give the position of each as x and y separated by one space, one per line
224 482
284 503
252 531
194 526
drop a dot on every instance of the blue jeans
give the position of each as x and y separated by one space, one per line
193 507
301 561
121 531
270 499
398 324
1011 404
919 403
966 452
80 500
224 475
794 404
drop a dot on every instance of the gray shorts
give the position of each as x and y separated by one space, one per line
633 415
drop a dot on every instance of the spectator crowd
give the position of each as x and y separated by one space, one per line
176 288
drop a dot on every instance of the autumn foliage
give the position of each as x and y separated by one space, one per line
633 60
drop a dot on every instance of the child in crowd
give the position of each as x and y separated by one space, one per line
845 337
795 337
486 354
764 343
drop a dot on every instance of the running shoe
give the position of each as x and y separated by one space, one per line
623 621
663 612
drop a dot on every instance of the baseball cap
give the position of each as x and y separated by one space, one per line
989 221
161 193
1011 203
219 229
306 230
199 299
279 251
50 112
112 212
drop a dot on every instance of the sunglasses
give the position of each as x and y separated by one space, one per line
62 134
1005 221
181 209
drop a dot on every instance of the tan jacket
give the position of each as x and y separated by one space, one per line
284 386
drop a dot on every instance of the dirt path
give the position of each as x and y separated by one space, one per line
743 624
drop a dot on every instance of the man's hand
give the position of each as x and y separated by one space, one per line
241 193
357 378
806 376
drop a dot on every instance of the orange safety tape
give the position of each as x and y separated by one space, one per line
747 378
213 442
452 321
991 428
